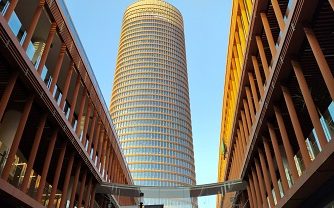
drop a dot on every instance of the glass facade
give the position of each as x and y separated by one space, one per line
150 99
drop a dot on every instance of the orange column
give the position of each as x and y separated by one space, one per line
33 24
46 166
33 153
268 33
248 117
261 184
57 174
331 2
250 198
75 185
266 177
271 168
91 133
87 119
321 60
278 14
95 139
74 98
10 9
244 124
258 75
263 57
278 157
242 133
254 92
250 104
296 127
253 194
17 138
66 85
310 105
286 144
243 142
7 93
81 110
47 47
257 189
57 68
67 181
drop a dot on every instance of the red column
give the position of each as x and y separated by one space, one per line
278 14
7 93
242 133
244 124
82 187
74 98
100 135
92 198
296 127
75 185
250 104
331 2
321 60
89 188
267 180
257 189
278 157
268 33
10 9
46 166
310 105
57 174
254 92
33 24
66 85
248 119
47 47
103 157
33 152
250 199
258 75
263 57
94 135
252 189
101 141
17 137
81 110
66 181
57 68
261 183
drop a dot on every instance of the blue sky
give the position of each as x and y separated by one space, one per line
206 31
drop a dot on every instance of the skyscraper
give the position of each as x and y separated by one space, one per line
150 98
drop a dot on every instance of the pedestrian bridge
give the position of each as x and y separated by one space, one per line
171 191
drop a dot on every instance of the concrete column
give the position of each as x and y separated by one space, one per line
271 169
46 166
82 187
66 85
310 105
92 130
57 174
278 157
250 104
244 123
296 127
248 117
7 93
67 181
268 33
254 92
47 47
321 60
258 75
263 57
33 24
278 14
286 143
252 190
75 185
33 153
257 189
87 119
17 138
10 9
89 188
266 177
261 184
74 98
57 68
81 110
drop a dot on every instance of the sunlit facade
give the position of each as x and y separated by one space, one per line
150 99
277 124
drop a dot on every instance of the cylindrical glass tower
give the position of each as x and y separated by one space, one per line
150 98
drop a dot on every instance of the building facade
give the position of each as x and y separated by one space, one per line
277 125
150 97
57 143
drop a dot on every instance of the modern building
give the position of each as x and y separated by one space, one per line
150 98
57 142
277 125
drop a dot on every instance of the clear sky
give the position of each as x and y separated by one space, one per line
207 24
